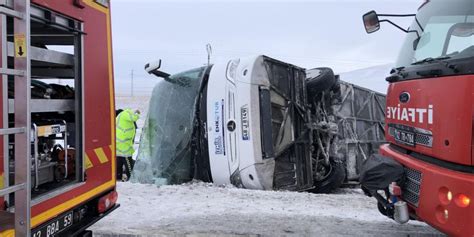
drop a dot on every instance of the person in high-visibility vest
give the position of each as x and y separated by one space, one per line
125 137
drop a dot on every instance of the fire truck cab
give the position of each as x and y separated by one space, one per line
430 121
57 166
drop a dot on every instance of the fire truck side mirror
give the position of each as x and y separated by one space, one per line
371 22
153 68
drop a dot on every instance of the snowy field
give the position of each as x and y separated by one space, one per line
201 209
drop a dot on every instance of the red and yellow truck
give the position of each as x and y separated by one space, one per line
58 149
426 172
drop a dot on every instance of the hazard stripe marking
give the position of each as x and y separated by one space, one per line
7 233
93 156
108 152
101 155
88 162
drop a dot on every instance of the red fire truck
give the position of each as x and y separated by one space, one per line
426 172
57 166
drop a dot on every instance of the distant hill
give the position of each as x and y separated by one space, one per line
372 78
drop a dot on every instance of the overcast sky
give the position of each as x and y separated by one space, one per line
306 33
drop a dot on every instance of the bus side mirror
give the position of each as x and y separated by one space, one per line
153 68
371 22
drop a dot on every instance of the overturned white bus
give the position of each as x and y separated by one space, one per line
258 123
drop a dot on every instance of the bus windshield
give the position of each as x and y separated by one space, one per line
164 155
446 31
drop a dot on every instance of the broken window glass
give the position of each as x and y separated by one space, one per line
164 155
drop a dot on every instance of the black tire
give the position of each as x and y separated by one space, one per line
318 80
86 233
382 209
333 180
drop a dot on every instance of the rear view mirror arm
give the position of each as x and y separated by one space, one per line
419 25
404 15
400 28
160 74
397 15
153 68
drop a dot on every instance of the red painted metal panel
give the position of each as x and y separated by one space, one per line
434 178
451 100
64 7
98 98
96 86
451 122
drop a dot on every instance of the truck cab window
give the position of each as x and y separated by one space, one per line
461 39
446 33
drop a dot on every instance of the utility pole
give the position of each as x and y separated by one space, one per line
131 88
209 52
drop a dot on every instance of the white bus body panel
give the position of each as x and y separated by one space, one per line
235 152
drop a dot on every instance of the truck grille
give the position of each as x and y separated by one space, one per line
424 139
411 187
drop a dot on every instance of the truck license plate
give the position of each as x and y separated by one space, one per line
404 137
55 226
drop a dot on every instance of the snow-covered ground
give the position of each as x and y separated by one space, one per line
202 209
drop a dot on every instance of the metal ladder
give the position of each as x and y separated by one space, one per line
22 73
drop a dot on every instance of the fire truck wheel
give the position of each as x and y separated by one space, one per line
331 181
318 80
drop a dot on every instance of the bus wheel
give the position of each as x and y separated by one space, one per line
333 177
319 80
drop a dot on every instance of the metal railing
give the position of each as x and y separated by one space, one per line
19 10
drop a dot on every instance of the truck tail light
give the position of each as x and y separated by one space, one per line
462 200
107 201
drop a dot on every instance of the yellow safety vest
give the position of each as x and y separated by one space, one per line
125 132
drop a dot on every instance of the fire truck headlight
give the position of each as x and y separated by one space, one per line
449 196
442 214
445 196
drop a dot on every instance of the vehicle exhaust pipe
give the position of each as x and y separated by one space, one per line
401 212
